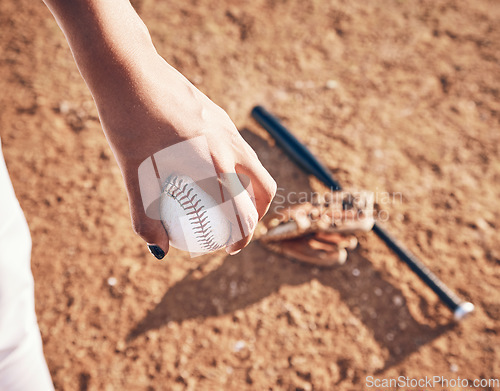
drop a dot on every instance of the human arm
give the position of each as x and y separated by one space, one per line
145 105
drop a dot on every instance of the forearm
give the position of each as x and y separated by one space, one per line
107 38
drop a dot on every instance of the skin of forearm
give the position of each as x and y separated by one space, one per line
116 57
108 40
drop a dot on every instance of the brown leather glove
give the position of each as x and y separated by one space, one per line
318 232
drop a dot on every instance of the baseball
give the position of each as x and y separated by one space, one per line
192 218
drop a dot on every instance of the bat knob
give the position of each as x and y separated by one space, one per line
463 310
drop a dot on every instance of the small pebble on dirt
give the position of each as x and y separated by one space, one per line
112 281
64 107
233 289
397 300
239 346
332 84
482 224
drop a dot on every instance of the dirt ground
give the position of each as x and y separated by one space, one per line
396 97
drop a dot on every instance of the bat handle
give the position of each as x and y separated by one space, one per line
459 308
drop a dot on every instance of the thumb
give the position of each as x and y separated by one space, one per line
152 232
146 224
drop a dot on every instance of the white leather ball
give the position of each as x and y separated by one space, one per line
192 218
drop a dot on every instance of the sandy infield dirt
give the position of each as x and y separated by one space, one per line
396 97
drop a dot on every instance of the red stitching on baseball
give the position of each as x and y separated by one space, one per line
202 227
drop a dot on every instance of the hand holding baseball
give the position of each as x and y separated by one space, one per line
172 111
163 109
145 106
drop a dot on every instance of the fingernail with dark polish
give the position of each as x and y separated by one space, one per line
156 251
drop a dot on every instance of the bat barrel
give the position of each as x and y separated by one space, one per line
293 147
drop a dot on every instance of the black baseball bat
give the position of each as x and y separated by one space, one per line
305 159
